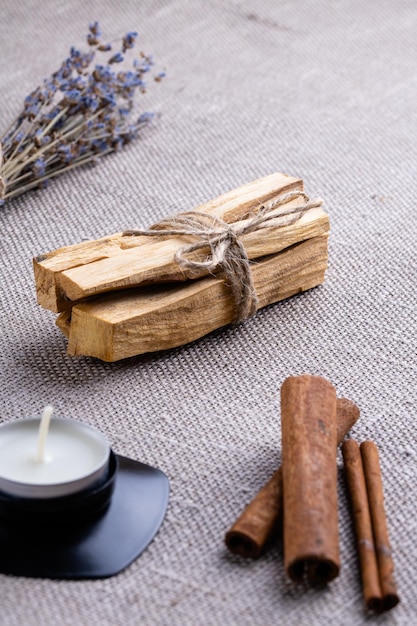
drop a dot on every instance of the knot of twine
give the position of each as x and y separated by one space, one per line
227 253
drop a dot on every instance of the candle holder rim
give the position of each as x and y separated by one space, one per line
86 503
61 488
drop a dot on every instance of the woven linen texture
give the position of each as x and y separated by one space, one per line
325 91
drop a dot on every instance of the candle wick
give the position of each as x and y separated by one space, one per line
43 432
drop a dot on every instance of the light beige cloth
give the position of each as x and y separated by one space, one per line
325 91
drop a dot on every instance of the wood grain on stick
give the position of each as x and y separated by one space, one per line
123 324
75 272
154 261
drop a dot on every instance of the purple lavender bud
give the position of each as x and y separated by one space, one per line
145 117
19 136
89 103
123 111
52 113
65 153
73 96
39 167
129 40
117 143
32 111
94 28
116 58
92 40
100 145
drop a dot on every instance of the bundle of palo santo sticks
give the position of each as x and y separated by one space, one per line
147 290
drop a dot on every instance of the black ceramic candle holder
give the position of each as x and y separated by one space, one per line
94 533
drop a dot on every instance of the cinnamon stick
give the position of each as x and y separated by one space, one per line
252 531
309 471
372 471
258 523
347 414
355 479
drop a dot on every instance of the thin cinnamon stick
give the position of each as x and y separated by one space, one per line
252 531
355 479
347 414
258 523
309 472
373 478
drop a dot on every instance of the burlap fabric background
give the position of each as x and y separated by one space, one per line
326 91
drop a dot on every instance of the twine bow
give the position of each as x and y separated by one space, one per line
227 253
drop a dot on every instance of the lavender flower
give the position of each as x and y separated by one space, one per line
116 58
80 113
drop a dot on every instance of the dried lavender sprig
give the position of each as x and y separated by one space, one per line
78 115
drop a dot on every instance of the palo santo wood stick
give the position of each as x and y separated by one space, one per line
309 437
355 479
373 479
155 262
112 259
258 523
120 325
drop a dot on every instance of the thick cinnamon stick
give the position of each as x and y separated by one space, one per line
355 479
372 471
309 472
258 523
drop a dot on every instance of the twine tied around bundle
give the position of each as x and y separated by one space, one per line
227 253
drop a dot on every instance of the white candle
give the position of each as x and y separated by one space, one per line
38 463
